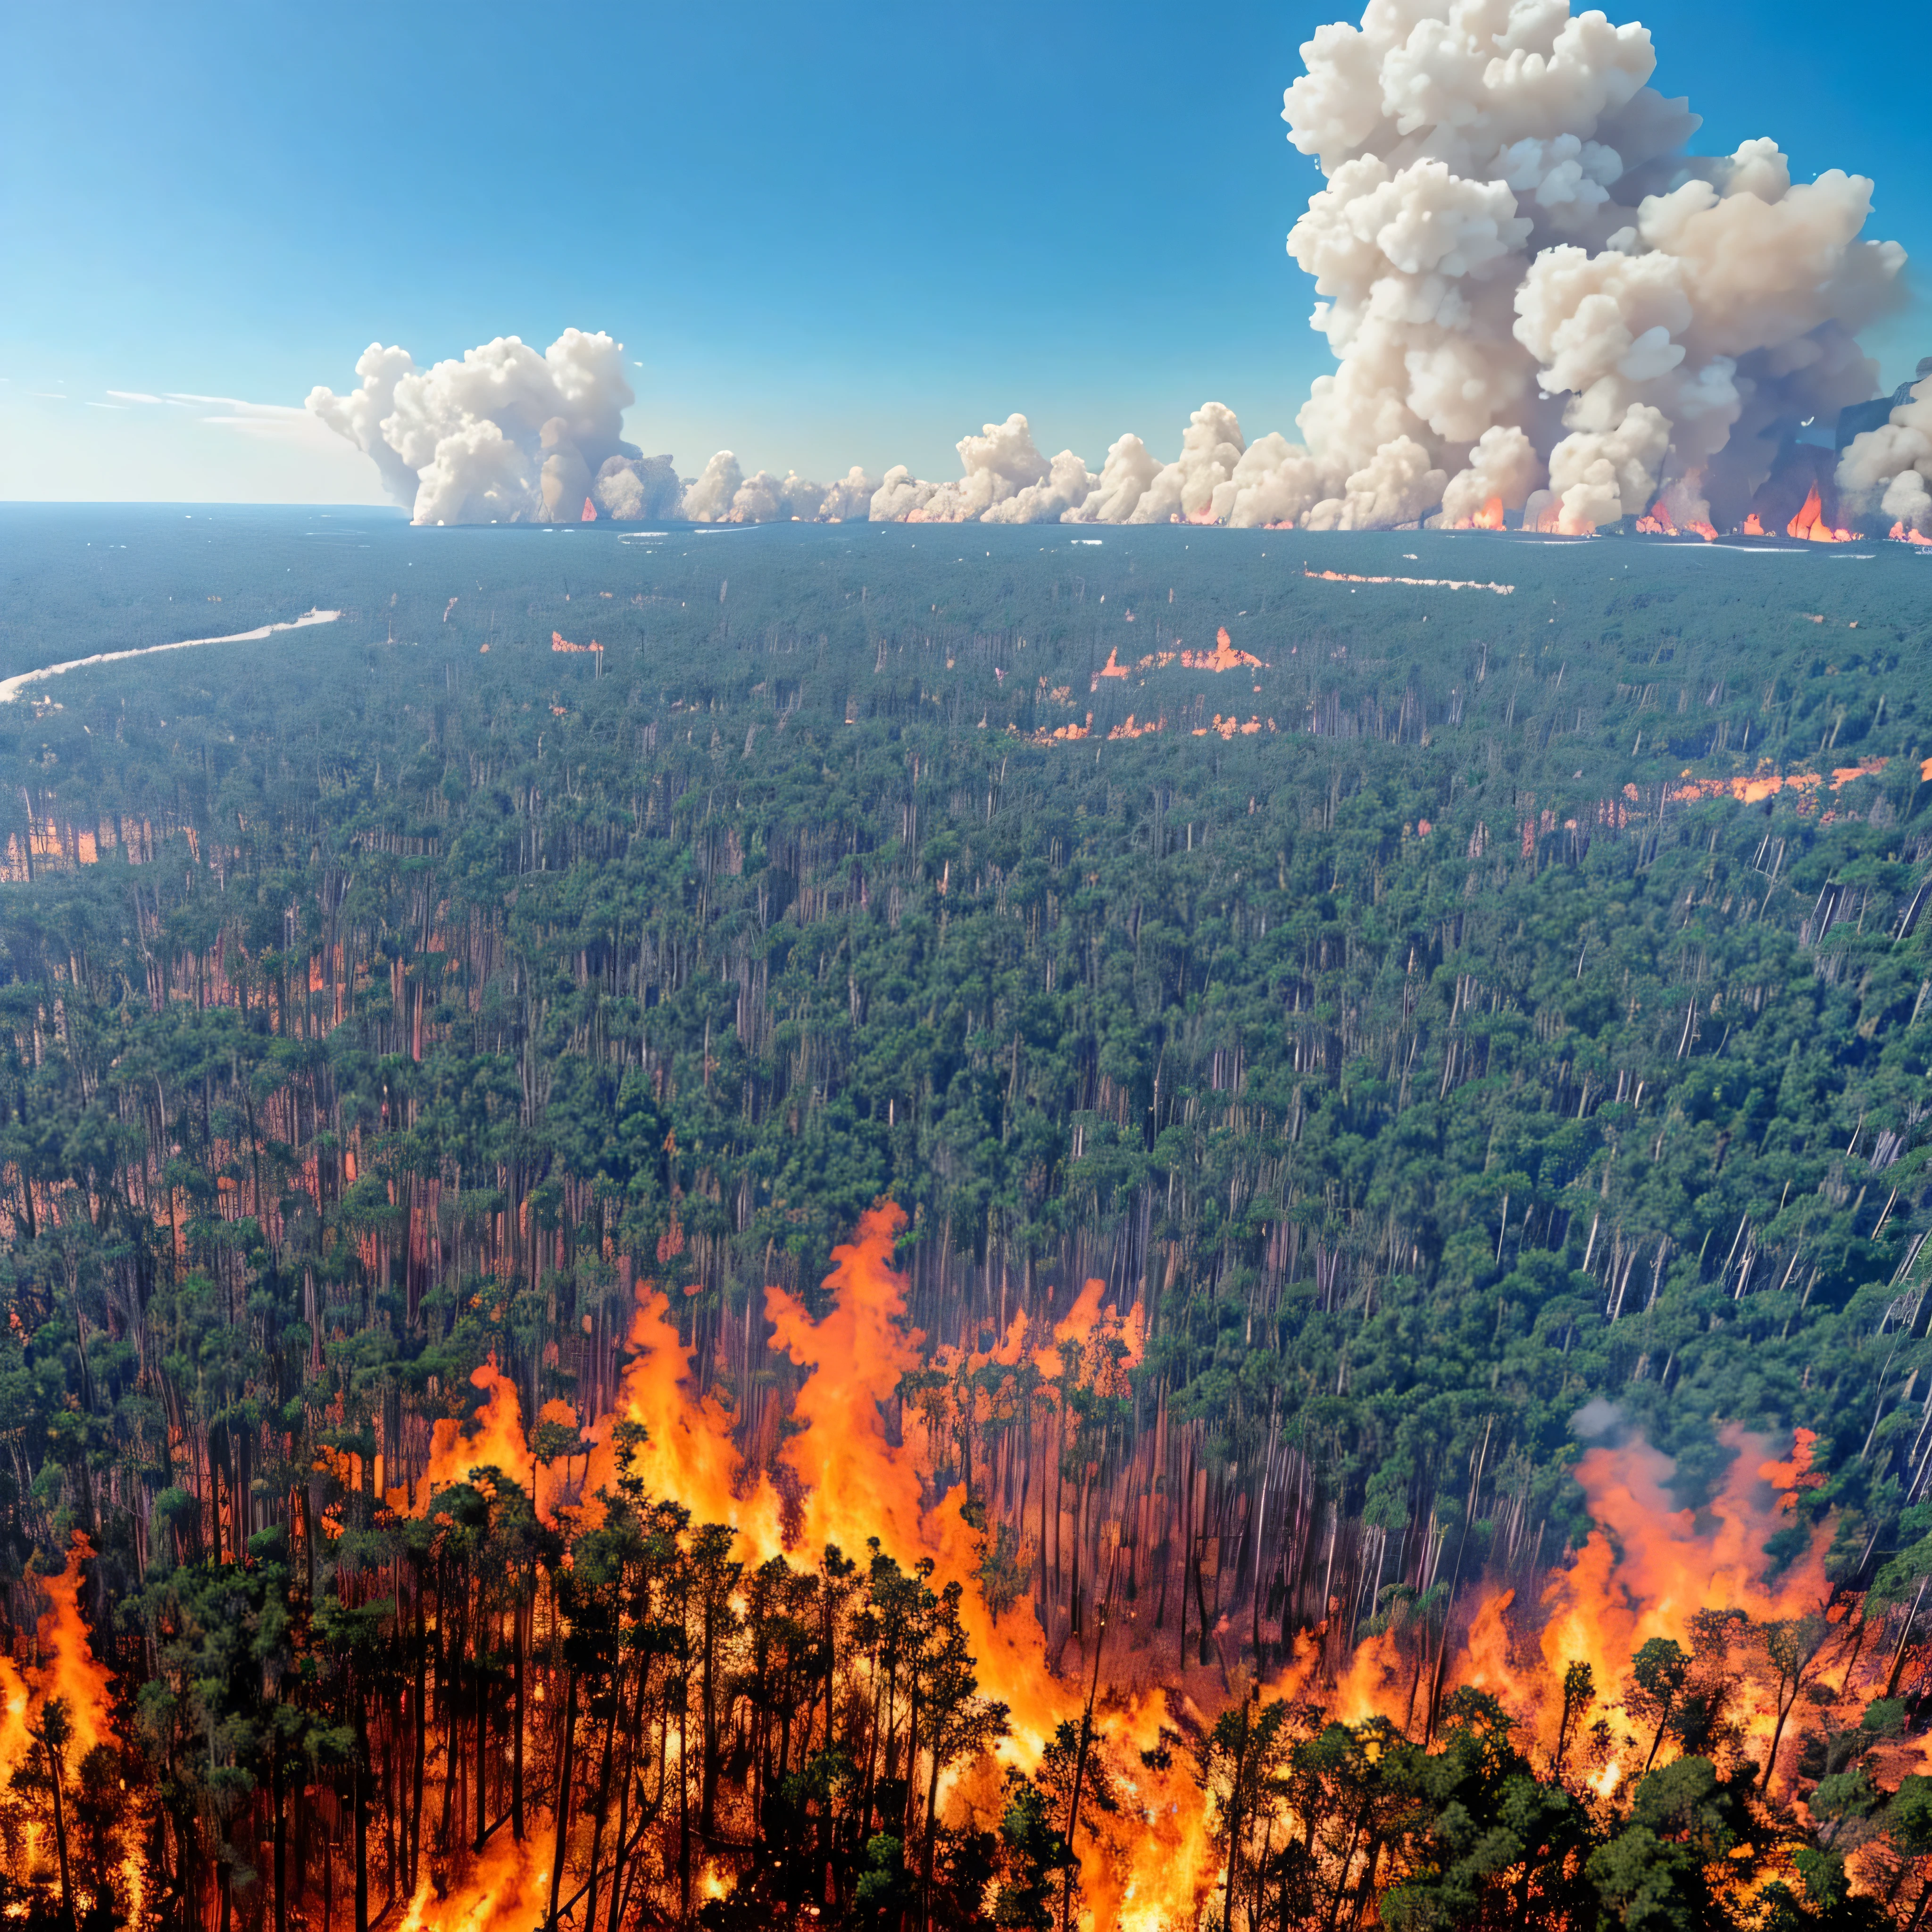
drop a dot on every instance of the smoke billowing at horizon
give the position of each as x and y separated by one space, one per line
1545 311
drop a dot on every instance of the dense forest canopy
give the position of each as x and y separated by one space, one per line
1398 1065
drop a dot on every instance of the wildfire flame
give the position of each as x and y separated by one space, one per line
861 1458
64 1667
1809 523
1658 523
1222 657
1646 1569
509 1887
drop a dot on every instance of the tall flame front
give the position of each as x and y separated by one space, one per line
868 1455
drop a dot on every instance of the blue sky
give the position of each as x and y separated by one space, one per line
829 235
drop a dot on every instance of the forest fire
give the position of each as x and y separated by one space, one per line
1657 522
1669 1634
64 1669
1810 525
1223 657
1273 1474
1490 517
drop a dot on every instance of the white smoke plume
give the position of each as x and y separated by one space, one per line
1067 485
766 499
1197 487
1527 281
1888 470
708 499
1005 480
1125 477
1503 468
850 498
1273 480
1540 303
504 435
631 489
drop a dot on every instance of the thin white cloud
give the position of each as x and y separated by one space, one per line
242 408
296 427
49 395
85 404
134 396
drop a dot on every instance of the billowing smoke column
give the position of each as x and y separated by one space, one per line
1887 471
505 435
1537 299
1540 304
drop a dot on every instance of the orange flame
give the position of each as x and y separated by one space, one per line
1764 784
1809 523
492 1438
1222 657
65 1667
689 1453
849 1474
1901 532
1658 523
16 1741
1752 527
71 1670
589 515
856 1486
509 1887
